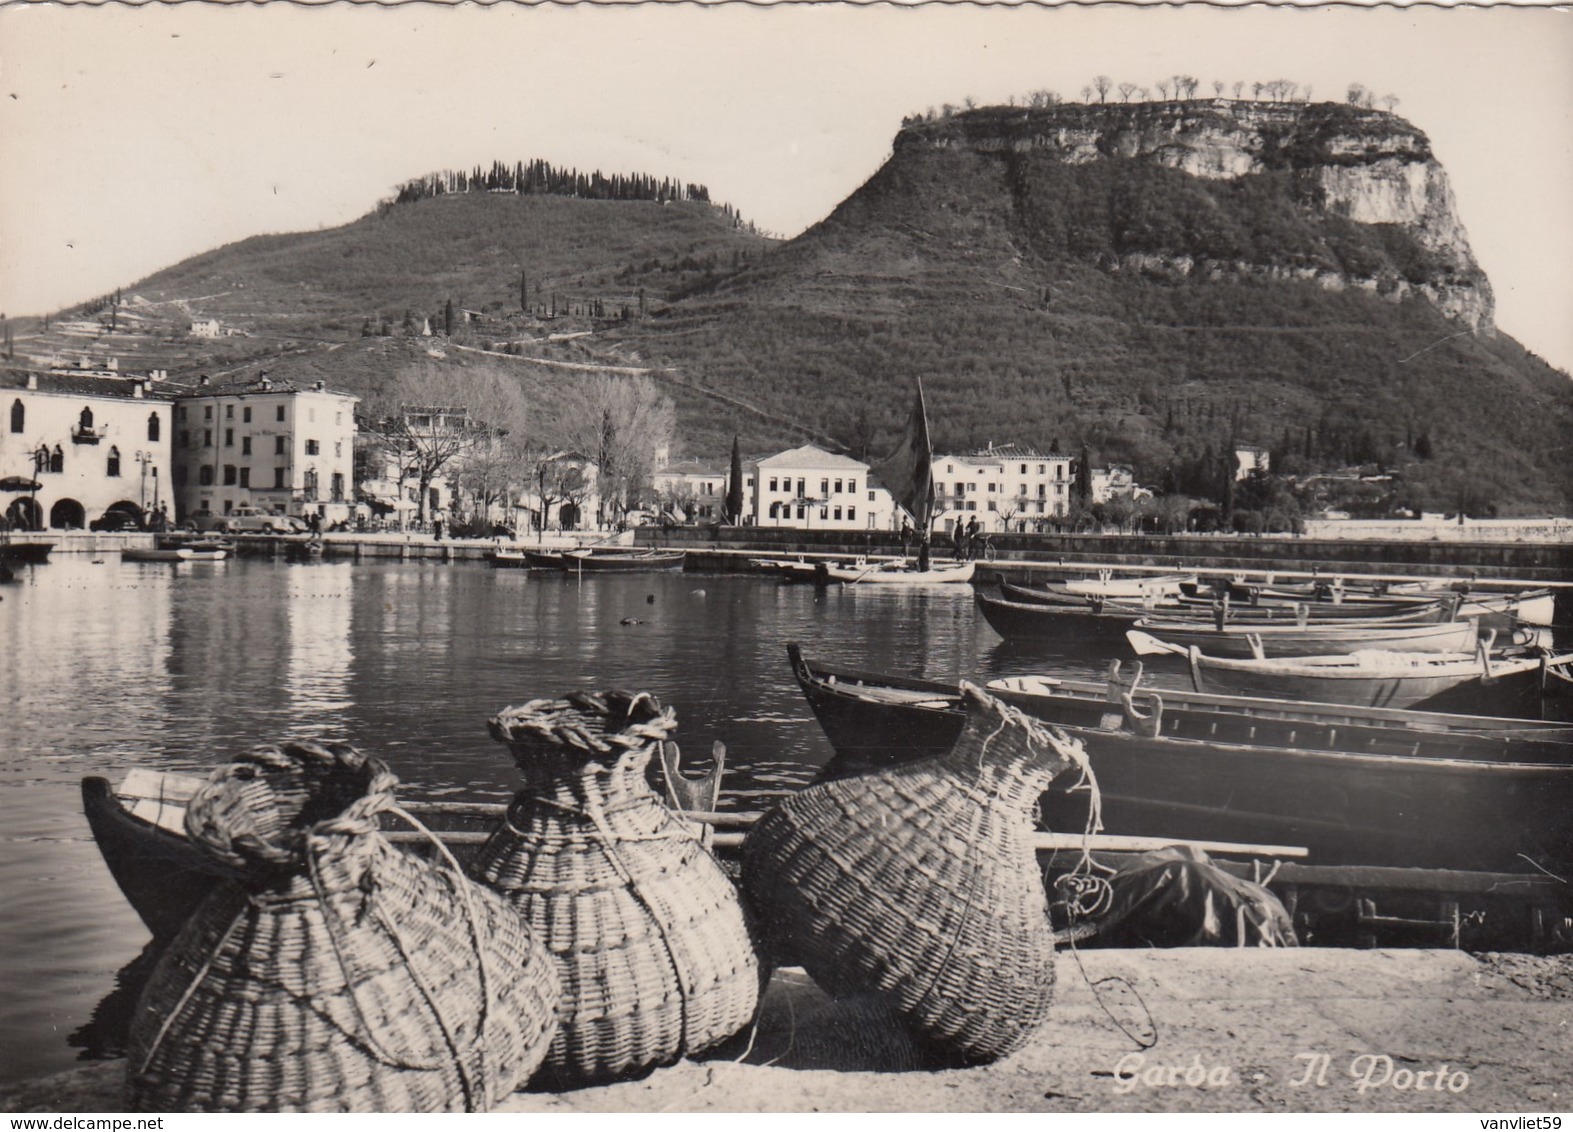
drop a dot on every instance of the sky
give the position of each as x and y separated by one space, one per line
131 138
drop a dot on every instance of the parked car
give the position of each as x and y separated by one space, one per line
115 521
245 519
256 519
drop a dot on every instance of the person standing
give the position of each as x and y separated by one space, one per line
972 537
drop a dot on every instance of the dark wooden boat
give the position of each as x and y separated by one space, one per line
1247 639
623 561
1033 621
509 559
1181 607
34 551
1355 786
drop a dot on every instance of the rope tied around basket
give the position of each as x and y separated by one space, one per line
218 818
599 724
1036 737
595 723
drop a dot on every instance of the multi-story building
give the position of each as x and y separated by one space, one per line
1005 487
818 490
93 442
695 490
268 444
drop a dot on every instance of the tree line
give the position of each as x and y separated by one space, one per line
545 179
1178 88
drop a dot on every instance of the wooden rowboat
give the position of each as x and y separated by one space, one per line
1107 585
1080 621
1456 682
1354 786
899 572
172 554
623 562
1182 607
1308 640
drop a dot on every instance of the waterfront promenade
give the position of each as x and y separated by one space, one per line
1255 1030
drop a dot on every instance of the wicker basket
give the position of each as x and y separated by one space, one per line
649 937
919 882
338 974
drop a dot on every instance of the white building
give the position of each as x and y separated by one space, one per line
92 443
695 490
1116 479
1250 459
266 444
813 489
1005 487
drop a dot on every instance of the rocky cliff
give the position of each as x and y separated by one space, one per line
1343 162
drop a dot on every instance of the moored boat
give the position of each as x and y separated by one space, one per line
623 561
509 559
1355 786
899 572
173 554
1107 584
1073 622
1255 639
1476 682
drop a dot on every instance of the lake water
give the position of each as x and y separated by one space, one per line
108 666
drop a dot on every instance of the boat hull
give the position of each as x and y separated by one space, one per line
1407 800
1015 620
624 563
1314 640
882 574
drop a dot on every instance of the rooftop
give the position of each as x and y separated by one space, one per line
810 456
87 385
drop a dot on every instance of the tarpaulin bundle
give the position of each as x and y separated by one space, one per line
1177 897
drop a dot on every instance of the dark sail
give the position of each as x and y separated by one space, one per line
908 472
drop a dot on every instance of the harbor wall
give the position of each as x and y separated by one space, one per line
1033 553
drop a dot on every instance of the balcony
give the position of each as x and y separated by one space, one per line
86 435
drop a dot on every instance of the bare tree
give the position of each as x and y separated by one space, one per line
1163 89
1238 87
1145 92
1102 83
1389 101
1355 95
1305 93
1086 94
1218 88
1126 90
1256 91
969 102
431 418
620 423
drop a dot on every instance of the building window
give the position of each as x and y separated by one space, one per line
85 420
993 487
207 438
838 487
114 462
229 412
824 512
338 418
338 487
205 475
279 412
852 514
278 477
773 508
245 477
800 511
338 448
180 412
229 438
1040 469
824 489
852 486
229 475
871 497
207 412
185 438
180 475
838 514
802 491
1042 490
18 416
153 426
245 446
57 461
278 446
991 506
245 415
310 484
772 478
311 448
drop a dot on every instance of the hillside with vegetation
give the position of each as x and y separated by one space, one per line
1151 282
1062 277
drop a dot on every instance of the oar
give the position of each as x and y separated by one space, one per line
1146 644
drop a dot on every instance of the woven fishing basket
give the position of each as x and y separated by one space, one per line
338 974
919 882
655 958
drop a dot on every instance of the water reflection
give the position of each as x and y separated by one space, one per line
112 666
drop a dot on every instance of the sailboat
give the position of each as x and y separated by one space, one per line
909 475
